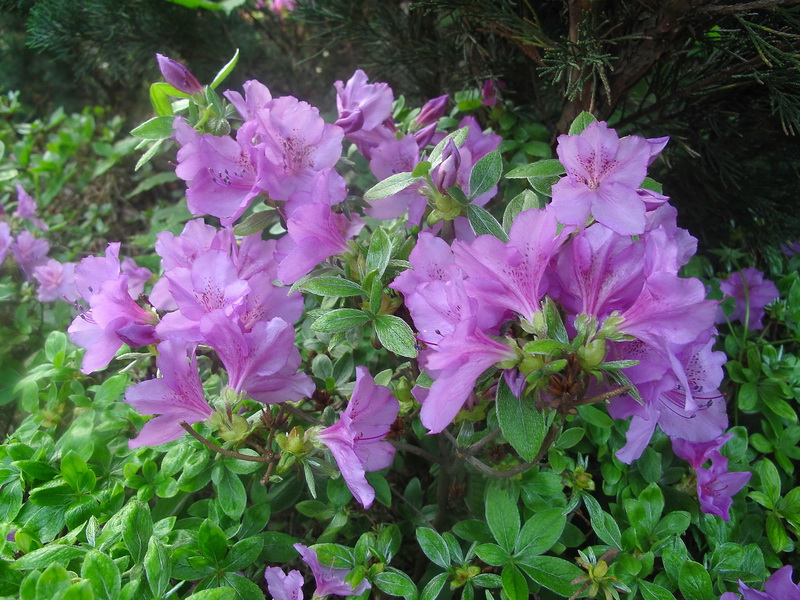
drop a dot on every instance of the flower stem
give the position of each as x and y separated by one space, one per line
220 450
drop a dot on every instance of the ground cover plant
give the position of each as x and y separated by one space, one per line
402 353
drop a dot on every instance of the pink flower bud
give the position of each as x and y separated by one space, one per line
432 111
178 76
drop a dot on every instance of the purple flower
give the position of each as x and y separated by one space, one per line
512 276
444 174
432 111
603 176
113 319
221 172
476 146
698 453
253 358
372 100
356 439
748 288
778 587
176 396
456 364
391 157
282 7
283 586
178 76
256 97
30 252
314 234
5 240
26 208
56 281
297 144
329 581
489 92
716 487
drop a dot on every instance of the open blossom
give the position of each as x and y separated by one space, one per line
356 439
751 293
263 362
284 586
779 586
29 252
716 486
176 396
296 143
5 240
222 173
26 208
56 281
314 233
603 176
330 581
372 102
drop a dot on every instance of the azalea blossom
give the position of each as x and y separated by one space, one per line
751 292
779 586
330 581
604 173
284 586
175 396
356 439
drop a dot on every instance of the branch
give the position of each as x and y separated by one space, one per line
301 413
415 450
220 450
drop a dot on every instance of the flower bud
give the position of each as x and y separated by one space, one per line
350 121
432 111
178 76
444 175
424 136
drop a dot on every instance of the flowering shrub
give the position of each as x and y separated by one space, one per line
441 394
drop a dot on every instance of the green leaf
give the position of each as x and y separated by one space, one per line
770 480
434 546
55 346
379 253
150 153
555 574
335 287
212 541
103 574
79 591
581 122
222 593
673 523
245 588
53 582
340 320
776 533
395 335
434 587
521 202
522 425
157 128
652 591
492 554
158 567
230 490
421 169
694 582
225 71
396 583
43 557
653 501
485 174
604 525
540 168
546 347
514 584
483 223
391 185
256 222
137 529
160 100
540 532
502 515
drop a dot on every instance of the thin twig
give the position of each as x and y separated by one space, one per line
476 447
415 450
605 396
220 450
302 414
